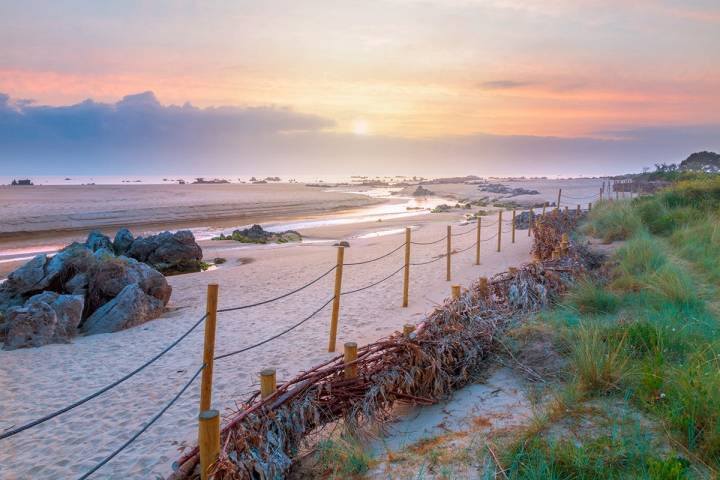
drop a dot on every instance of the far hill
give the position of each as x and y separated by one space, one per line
702 162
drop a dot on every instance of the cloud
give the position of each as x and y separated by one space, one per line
139 135
139 121
503 84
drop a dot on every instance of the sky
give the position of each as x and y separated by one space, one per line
357 87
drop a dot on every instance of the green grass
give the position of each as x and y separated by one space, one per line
341 458
612 221
647 333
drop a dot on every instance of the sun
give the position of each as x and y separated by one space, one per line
360 127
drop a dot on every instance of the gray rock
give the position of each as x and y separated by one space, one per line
68 310
123 240
131 307
97 240
168 252
31 326
26 279
77 285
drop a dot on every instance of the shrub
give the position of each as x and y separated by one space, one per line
641 255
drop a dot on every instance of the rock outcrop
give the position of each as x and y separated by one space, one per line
170 253
257 234
51 299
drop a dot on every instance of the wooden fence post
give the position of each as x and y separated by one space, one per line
406 274
268 382
531 220
513 226
350 355
483 286
499 235
408 328
544 206
578 210
477 246
336 299
589 207
209 347
559 197
455 290
449 253
208 440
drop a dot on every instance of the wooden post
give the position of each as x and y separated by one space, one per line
209 347
589 207
578 210
559 197
531 220
336 299
351 371
543 212
513 226
406 274
617 195
483 286
268 383
449 253
564 244
499 235
477 246
601 192
208 440
408 328
455 290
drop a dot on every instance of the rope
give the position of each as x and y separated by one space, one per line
425 263
375 259
372 284
263 342
474 229
489 238
429 243
464 249
285 295
595 195
44 419
145 427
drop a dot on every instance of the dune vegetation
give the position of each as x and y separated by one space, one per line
641 396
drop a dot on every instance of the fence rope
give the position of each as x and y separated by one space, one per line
428 243
270 339
375 259
373 284
428 262
145 427
117 382
473 229
285 295
464 249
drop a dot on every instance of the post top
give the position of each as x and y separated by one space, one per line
350 345
266 372
208 414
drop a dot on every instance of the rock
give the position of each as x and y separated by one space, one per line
122 242
68 310
256 234
29 278
31 326
168 252
130 308
522 220
108 278
421 191
77 285
97 240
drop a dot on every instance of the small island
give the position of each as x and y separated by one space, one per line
257 234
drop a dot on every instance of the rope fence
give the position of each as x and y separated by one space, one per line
208 436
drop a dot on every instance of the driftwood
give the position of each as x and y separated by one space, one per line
445 352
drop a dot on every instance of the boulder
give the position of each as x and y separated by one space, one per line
97 240
122 242
68 310
33 325
29 278
168 252
77 285
108 278
131 307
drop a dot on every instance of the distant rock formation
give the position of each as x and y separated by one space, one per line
256 234
99 286
421 191
505 190
214 181
21 183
